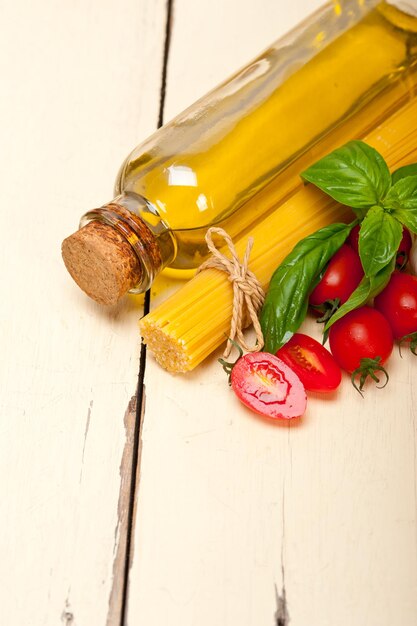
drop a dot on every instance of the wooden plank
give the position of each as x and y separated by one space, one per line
243 522
350 506
189 529
81 86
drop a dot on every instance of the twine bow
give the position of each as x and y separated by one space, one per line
248 295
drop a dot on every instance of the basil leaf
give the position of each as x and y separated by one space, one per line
403 172
402 201
354 174
408 217
379 238
286 302
403 195
369 287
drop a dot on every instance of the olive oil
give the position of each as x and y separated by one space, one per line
233 156
212 160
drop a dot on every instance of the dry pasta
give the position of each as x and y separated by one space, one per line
187 327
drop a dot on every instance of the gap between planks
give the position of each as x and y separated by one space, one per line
130 465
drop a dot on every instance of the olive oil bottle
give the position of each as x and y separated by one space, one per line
234 155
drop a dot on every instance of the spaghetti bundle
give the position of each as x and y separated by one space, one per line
187 327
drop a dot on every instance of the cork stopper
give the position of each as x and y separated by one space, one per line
102 262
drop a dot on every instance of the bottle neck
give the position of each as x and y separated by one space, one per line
133 217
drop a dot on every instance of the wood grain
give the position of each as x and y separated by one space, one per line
236 521
243 522
81 87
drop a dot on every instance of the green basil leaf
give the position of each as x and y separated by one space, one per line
369 287
403 195
403 172
379 238
286 302
408 217
402 201
355 175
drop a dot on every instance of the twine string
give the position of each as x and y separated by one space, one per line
248 295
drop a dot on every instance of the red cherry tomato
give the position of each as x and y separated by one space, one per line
403 249
268 386
398 303
313 364
362 333
353 238
343 274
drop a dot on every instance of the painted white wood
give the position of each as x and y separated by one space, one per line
228 506
234 513
80 87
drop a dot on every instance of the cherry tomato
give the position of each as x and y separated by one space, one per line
362 333
403 253
403 249
313 364
268 386
413 258
343 274
353 238
398 303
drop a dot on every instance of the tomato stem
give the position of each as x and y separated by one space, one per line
368 367
328 308
229 365
413 343
401 260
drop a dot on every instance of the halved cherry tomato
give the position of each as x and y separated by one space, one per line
362 333
313 364
343 274
268 386
403 251
398 303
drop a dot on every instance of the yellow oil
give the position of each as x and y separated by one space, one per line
253 138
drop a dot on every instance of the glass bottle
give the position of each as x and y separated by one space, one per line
238 151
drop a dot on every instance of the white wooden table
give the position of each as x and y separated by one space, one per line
210 516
